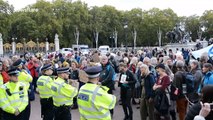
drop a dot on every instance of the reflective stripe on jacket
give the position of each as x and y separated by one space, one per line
44 86
13 96
63 93
94 102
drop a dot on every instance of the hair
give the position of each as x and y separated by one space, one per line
154 61
123 65
207 65
179 57
146 59
146 69
139 64
75 62
134 60
165 58
204 57
179 64
195 62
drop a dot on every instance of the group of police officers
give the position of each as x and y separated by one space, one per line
56 95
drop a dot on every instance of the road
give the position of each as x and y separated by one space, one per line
118 111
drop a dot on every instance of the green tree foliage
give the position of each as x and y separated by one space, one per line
44 19
5 20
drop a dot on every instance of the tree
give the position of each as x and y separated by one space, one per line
5 11
207 22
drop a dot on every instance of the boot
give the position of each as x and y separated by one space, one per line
126 117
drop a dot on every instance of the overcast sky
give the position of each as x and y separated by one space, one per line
181 7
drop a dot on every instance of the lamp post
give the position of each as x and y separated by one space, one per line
13 45
24 44
37 44
125 31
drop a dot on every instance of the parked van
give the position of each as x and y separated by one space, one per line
104 49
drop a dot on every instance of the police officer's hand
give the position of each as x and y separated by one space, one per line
17 112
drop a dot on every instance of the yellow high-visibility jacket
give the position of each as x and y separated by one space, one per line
63 93
94 102
13 96
44 84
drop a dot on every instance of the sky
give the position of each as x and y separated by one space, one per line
181 7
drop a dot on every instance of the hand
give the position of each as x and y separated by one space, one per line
126 82
17 112
205 110
150 100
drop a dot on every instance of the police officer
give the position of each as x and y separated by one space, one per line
13 97
63 95
25 77
44 87
93 100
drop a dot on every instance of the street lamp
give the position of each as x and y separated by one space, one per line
24 44
125 31
37 44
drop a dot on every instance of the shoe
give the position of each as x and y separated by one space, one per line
126 118
134 102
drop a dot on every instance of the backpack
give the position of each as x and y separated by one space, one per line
188 86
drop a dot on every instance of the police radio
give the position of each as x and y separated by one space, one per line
8 92
20 88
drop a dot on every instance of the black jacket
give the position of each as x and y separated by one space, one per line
131 78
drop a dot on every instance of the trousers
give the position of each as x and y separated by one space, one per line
63 113
47 111
181 107
126 95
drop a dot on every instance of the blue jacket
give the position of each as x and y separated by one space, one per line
207 80
149 82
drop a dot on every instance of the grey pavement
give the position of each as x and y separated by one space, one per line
118 111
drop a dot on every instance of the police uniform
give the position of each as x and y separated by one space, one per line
93 100
26 78
13 97
63 95
44 87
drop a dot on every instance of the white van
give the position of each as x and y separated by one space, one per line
66 51
104 49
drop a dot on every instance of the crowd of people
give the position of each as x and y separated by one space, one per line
163 85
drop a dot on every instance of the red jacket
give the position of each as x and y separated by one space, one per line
32 68
5 76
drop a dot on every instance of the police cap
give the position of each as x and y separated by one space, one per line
93 72
13 71
17 63
46 67
63 70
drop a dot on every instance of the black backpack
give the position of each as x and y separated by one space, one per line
188 83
